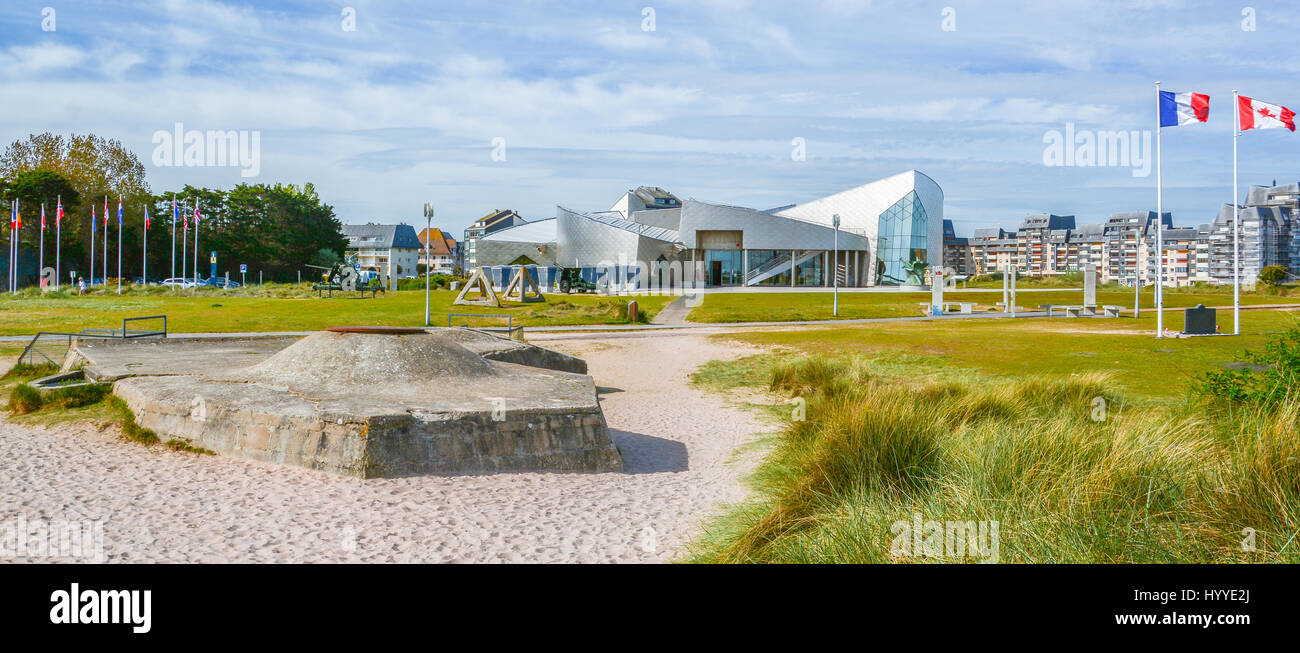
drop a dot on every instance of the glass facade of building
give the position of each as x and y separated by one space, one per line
809 273
760 258
723 267
901 240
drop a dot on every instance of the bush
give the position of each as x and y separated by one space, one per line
1274 274
1271 378
76 396
24 370
24 399
436 282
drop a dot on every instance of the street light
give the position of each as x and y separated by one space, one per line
428 224
835 267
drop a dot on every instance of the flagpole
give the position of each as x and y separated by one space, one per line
105 242
144 264
58 243
196 245
119 244
173 275
1160 249
17 243
40 260
1236 229
13 255
185 243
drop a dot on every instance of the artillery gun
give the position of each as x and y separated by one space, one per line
344 278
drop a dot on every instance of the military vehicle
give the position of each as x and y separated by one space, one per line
571 281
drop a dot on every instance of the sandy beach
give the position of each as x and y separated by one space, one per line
679 445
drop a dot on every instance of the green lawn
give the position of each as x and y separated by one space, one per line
23 315
793 306
1125 348
997 419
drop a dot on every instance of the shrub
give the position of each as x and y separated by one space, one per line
436 282
1271 378
1274 274
24 399
76 396
25 370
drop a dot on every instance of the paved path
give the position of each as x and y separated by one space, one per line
673 312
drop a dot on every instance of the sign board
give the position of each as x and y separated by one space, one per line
243 268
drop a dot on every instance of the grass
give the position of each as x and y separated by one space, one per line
976 350
213 311
24 399
994 420
76 404
774 306
1169 483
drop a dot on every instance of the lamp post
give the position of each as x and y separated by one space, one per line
835 268
428 224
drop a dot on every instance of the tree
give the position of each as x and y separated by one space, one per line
95 168
276 230
32 189
1274 274
90 163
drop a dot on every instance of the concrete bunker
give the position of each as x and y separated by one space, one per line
366 401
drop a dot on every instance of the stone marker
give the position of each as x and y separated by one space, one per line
1090 285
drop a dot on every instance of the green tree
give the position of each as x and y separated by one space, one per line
1274 274
274 229
96 168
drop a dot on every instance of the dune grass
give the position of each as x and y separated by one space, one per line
1065 482
1085 441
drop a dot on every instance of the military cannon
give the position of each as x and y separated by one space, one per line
571 281
344 278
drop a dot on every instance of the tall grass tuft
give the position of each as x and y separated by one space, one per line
1071 472
24 399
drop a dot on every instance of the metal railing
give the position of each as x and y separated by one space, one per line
53 346
510 328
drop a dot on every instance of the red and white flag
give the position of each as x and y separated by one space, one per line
58 213
42 216
1254 114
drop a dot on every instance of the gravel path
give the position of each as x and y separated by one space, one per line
679 446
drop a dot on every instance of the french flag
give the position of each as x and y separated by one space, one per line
1183 108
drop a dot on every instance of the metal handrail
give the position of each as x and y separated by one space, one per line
510 322
27 355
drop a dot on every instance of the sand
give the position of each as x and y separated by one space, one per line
679 445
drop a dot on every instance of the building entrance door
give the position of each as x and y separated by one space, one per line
715 278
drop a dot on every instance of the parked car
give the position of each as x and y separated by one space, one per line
179 282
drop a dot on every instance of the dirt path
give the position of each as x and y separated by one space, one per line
678 444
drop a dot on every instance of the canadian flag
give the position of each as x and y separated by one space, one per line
1254 114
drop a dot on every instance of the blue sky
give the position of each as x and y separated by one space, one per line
404 110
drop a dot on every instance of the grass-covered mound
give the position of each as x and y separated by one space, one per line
1069 470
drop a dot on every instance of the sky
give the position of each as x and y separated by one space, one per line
476 106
